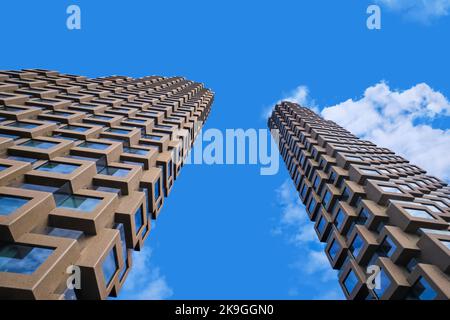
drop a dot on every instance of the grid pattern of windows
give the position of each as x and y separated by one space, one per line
368 181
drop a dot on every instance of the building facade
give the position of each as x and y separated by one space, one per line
85 165
385 222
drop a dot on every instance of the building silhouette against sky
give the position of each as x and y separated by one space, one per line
85 165
377 213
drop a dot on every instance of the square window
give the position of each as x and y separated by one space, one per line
321 225
384 283
57 167
422 290
23 125
94 145
390 189
123 242
356 245
110 266
22 259
9 204
75 128
312 206
39 144
339 218
334 249
386 248
326 198
350 282
157 189
79 203
141 152
138 219
417 213
115 172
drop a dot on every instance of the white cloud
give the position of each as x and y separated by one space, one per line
144 281
398 120
313 266
300 96
419 10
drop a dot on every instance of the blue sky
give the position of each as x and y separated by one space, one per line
225 231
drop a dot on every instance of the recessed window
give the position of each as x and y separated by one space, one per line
94 145
57 167
326 198
385 282
140 152
170 168
369 171
39 144
334 249
356 245
115 172
303 192
100 118
321 225
316 183
345 194
123 242
110 266
138 219
339 218
417 213
79 203
9 204
422 290
157 189
10 136
350 282
75 128
390 189
2 167
386 248
312 206
118 131
22 259
23 125
136 120
157 138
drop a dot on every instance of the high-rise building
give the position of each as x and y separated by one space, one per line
85 165
385 222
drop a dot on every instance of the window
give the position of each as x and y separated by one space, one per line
312 206
370 171
79 203
157 189
386 248
321 225
417 213
9 204
350 282
135 120
138 219
303 192
334 249
94 145
422 290
22 259
339 218
39 144
390 189
115 172
157 138
345 194
170 168
385 282
121 229
57 167
326 198
75 128
140 152
2 167
23 125
110 266
118 131
356 245
316 183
